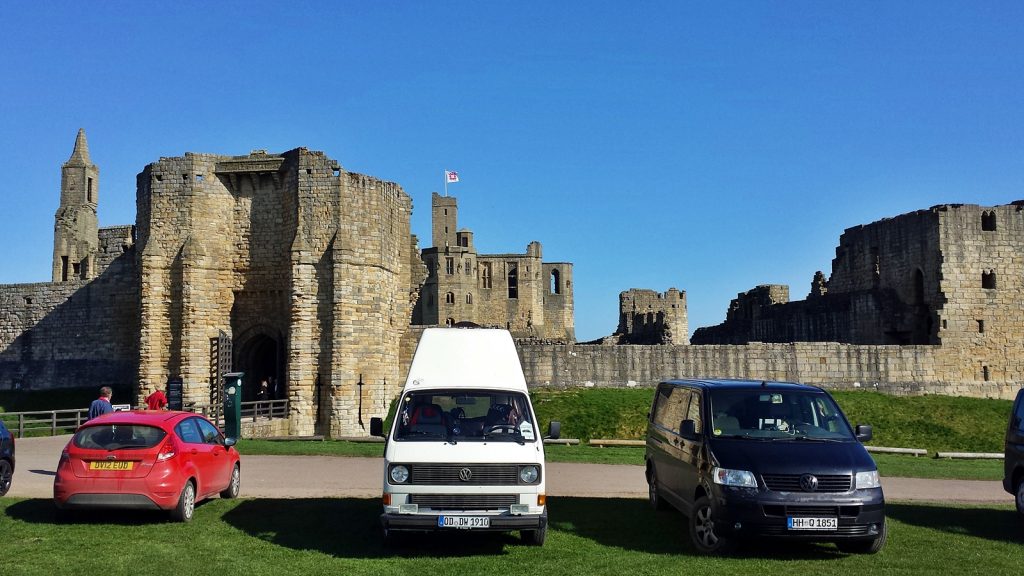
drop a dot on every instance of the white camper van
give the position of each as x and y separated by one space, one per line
464 451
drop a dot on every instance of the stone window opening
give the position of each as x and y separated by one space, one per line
199 177
918 287
89 193
981 326
63 268
469 267
159 177
988 280
513 282
449 322
469 298
449 266
184 177
485 275
984 373
449 298
988 221
556 282
28 300
337 173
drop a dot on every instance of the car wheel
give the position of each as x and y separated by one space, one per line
1019 499
186 503
865 546
236 484
6 475
653 495
534 537
702 529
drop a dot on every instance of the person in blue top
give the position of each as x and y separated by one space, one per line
101 405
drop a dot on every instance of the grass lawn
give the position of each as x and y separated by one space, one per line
586 536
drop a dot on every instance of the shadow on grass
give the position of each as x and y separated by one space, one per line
42 511
998 525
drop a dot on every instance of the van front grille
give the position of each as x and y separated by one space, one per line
791 482
453 474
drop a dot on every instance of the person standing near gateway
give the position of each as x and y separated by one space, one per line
101 405
156 401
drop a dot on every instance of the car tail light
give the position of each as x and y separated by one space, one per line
167 451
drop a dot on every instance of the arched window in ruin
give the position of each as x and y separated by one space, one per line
988 221
988 279
449 298
485 275
918 287
449 322
556 281
469 298
513 281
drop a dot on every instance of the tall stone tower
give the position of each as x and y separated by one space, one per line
75 228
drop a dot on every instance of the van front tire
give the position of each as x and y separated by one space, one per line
703 535
1019 496
534 537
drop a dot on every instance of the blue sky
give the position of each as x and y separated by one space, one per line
709 147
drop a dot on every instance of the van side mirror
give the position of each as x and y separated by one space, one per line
688 429
376 427
863 432
554 430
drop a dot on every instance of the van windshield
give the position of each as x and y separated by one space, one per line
465 415
773 414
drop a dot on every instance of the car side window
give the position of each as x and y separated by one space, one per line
1018 413
188 432
210 433
693 413
662 399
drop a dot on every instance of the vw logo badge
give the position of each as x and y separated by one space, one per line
809 482
466 475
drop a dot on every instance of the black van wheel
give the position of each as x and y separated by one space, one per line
702 530
865 546
534 537
653 496
1019 499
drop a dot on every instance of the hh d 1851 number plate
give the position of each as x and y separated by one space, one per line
812 523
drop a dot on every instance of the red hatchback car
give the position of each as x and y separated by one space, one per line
146 460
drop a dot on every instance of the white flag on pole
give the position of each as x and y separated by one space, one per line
451 176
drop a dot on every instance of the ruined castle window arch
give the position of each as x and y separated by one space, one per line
556 282
918 286
469 298
449 266
449 298
988 221
988 279
513 281
485 275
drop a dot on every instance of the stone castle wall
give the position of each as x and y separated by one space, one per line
649 317
891 369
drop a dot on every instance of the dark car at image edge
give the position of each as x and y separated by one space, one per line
6 459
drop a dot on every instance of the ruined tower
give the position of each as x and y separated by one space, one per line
75 228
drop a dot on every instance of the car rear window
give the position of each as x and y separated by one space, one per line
118 437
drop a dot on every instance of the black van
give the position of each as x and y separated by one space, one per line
1013 461
752 458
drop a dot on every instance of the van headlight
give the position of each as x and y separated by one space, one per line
529 474
867 480
399 474
727 477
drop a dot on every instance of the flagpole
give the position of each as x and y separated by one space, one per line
446 183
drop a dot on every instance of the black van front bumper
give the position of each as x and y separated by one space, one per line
747 512
429 522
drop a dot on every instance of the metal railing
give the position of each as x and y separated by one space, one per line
44 423
54 422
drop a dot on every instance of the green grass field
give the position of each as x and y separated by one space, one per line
587 536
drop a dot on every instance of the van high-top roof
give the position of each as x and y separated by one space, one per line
466 358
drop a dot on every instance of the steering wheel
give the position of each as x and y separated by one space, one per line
509 428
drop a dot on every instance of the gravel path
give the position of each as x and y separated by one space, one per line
320 476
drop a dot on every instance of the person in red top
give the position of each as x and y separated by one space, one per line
156 401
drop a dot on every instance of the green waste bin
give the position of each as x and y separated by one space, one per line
233 404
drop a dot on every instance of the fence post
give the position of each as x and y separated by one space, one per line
53 423
21 425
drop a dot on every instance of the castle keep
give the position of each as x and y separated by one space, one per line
519 292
